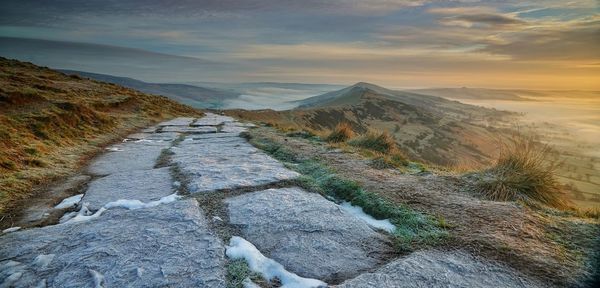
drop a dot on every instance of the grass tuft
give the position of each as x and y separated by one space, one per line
395 160
381 142
341 133
522 172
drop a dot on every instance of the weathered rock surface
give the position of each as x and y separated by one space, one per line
128 156
143 185
439 269
163 136
168 245
226 163
186 129
307 234
211 119
181 121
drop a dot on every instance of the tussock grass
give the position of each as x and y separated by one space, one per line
414 229
395 160
341 133
381 142
522 172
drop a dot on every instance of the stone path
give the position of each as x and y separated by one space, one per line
139 225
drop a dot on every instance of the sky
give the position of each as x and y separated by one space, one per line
553 44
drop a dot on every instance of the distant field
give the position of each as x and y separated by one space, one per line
572 126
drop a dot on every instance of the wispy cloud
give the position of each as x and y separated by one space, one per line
425 42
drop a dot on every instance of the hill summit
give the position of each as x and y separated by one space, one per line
428 128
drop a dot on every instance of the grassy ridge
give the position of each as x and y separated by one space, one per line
50 122
414 229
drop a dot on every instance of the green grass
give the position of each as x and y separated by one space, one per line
237 271
414 229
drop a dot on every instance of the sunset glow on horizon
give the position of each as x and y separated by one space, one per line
492 44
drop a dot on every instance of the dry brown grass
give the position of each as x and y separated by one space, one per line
341 133
523 172
51 122
381 142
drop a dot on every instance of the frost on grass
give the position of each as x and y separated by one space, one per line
239 248
247 283
137 204
358 212
69 202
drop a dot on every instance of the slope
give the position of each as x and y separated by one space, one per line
195 96
51 122
428 128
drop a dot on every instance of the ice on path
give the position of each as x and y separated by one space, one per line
239 248
69 202
11 229
98 279
358 212
83 215
137 204
43 260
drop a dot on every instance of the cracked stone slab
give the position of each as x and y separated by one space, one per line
150 129
228 128
307 234
128 156
213 135
168 245
138 136
143 185
226 163
180 121
186 129
211 119
440 269
163 136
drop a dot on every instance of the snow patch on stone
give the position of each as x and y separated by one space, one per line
114 149
98 279
137 204
42 261
11 229
247 283
239 248
69 202
358 212
83 215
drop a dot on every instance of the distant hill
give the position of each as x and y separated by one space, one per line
51 122
198 97
476 93
428 128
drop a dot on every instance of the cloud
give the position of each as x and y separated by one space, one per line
472 16
575 41
314 40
